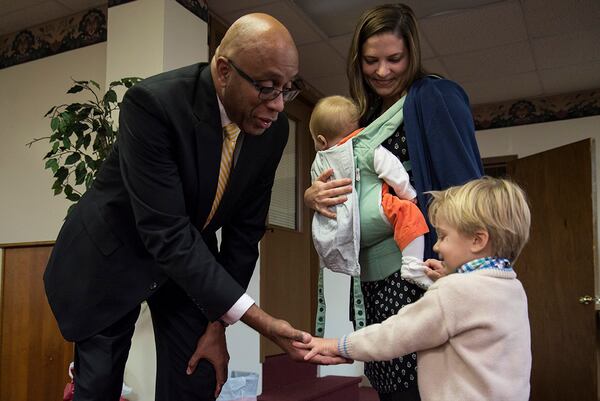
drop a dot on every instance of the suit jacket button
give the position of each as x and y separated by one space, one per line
153 286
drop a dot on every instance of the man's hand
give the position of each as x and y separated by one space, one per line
319 348
323 194
212 346
283 334
436 269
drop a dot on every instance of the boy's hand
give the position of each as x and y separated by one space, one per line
436 269
321 347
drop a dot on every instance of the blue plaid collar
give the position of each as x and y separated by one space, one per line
489 262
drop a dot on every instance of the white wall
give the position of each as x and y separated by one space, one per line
29 210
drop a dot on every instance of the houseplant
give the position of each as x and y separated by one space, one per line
82 136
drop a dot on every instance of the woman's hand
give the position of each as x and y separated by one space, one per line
212 346
323 193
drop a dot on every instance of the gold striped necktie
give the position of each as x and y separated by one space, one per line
230 136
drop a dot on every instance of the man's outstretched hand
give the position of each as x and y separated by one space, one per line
283 334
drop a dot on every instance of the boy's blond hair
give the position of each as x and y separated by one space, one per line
333 116
497 206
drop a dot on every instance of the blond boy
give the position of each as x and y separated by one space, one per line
470 329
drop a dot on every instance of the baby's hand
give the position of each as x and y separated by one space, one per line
436 269
319 346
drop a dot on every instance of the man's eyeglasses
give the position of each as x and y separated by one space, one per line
270 92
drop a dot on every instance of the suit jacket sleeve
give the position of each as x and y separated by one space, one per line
150 171
240 236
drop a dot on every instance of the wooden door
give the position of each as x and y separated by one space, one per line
557 268
288 267
34 357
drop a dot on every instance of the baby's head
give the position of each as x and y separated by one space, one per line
484 217
333 118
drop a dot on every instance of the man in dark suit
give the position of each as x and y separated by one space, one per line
145 231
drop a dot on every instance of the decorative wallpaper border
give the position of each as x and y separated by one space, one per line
72 32
69 33
197 7
112 3
537 110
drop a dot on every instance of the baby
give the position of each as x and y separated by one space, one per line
333 122
470 329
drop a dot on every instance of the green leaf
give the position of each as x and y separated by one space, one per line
89 179
55 147
110 96
79 176
72 158
75 89
49 154
52 164
73 107
66 143
73 197
87 138
50 111
68 190
95 84
54 123
61 173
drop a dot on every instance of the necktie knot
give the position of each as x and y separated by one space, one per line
231 132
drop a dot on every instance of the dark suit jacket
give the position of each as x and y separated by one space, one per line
141 222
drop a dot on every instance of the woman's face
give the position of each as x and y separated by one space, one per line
384 65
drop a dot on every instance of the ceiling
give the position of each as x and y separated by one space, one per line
497 50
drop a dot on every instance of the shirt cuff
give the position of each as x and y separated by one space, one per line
237 310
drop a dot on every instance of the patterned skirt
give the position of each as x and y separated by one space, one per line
383 299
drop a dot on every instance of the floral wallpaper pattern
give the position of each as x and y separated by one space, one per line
537 110
75 31
197 7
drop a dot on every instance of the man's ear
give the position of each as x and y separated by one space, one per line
322 142
480 241
223 70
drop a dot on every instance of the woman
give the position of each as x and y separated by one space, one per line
436 140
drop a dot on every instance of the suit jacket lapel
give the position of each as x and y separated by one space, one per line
209 140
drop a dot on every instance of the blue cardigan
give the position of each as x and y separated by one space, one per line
441 141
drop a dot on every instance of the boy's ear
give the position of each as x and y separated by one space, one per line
321 142
481 239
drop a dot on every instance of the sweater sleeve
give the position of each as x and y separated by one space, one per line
415 327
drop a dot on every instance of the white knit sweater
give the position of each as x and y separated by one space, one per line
471 331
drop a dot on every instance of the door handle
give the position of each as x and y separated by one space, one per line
588 299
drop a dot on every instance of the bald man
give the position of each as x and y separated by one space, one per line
145 230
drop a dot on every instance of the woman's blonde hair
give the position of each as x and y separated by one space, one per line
498 206
333 116
398 19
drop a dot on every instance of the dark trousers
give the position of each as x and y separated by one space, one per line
178 323
410 394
